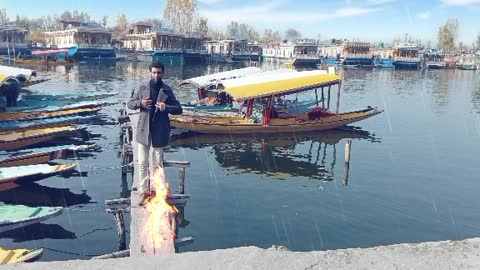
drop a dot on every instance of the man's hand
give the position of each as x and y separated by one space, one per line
147 103
161 106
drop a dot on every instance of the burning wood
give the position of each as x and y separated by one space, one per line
158 233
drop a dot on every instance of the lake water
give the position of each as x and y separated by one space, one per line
413 172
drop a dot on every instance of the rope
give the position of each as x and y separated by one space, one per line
70 253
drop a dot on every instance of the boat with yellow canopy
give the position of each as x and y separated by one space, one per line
259 93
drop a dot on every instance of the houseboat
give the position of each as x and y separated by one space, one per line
301 52
406 56
13 40
88 40
357 54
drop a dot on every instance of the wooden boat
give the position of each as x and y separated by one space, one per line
14 116
209 88
17 216
84 96
19 255
266 89
31 173
21 139
38 155
43 123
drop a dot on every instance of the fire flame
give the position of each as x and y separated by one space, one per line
159 220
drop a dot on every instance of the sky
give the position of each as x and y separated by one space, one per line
358 20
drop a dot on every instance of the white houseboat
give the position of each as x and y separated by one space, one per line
90 41
301 52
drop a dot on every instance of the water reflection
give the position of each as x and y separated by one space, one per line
38 231
310 155
38 195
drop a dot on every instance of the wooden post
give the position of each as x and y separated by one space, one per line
328 101
348 147
181 172
338 96
316 95
323 99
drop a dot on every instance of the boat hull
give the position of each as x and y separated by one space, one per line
291 125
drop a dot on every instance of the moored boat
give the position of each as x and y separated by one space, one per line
31 173
21 139
262 91
43 122
15 116
19 255
17 216
38 155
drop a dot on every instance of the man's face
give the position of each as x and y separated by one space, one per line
157 74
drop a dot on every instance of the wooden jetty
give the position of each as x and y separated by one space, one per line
129 201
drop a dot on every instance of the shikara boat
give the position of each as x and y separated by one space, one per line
17 216
20 139
84 96
15 116
19 255
43 123
263 90
38 155
31 173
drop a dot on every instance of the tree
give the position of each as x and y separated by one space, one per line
447 34
37 36
156 23
23 21
248 32
121 22
3 16
215 34
478 40
292 34
232 29
104 21
271 37
181 14
202 26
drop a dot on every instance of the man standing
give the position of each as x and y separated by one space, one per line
155 100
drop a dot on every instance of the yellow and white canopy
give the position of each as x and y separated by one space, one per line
278 84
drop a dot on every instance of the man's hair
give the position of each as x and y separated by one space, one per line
156 65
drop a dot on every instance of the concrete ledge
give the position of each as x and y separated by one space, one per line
431 255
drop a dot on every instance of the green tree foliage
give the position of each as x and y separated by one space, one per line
447 34
181 15
292 34
121 22
202 26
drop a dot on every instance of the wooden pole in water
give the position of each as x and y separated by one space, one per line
328 97
348 147
323 99
316 95
338 96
